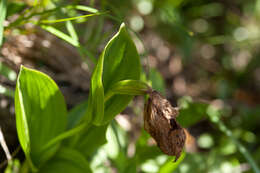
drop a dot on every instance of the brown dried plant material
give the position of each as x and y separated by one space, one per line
160 122
190 143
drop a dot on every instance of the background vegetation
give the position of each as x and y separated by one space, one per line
202 55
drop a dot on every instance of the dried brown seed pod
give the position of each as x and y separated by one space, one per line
160 122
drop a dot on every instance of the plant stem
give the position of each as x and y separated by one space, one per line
241 148
4 146
64 135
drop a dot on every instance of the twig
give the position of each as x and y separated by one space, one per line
4 146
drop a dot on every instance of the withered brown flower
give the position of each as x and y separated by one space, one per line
160 122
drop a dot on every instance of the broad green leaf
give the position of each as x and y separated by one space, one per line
93 138
74 127
113 66
66 160
76 114
41 114
86 143
110 75
121 62
96 95
3 8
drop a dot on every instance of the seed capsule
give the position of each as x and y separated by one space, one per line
160 122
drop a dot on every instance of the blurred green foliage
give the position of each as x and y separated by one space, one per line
218 43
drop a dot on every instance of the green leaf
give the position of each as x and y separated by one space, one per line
128 87
69 18
170 166
41 114
2 18
143 150
121 62
116 144
61 35
72 31
242 149
83 8
67 160
96 95
15 7
191 112
71 39
112 67
119 54
93 138
76 114
131 166
158 83
13 166
86 143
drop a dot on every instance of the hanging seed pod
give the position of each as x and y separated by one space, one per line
160 122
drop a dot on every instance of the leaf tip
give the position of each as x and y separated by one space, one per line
122 26
22 68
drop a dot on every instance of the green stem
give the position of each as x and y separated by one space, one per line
128 87
241 148
133 87
64 135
